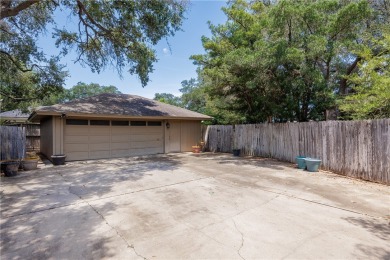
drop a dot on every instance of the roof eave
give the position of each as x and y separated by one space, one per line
14 119
37 115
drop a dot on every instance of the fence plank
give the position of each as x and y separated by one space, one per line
13 142
33 137
359 149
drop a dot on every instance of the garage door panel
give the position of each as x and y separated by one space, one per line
155 150
73 156
99 147
145 151
75 148
123 145
135 152
99 130
99 139
76 130
99 154
146 137
144 129
120 130
149 144
119 153
75 139
120 138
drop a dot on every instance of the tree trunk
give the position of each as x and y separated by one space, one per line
344 81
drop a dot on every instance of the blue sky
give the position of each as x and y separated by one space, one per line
173 66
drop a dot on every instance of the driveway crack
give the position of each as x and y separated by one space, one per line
204 234
108 224
242 240
240 212
105 220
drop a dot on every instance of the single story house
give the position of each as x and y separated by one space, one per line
14 117
116 125
19 118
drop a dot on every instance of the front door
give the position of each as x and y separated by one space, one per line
172 136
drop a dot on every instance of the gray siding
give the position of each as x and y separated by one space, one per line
47 137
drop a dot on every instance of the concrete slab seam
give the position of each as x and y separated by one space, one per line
241 212
105 220
108 224
204 234
303 242
152 188
101 198
316 202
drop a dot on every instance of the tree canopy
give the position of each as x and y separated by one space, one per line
288 60
82 90
168 99
371 92
108 33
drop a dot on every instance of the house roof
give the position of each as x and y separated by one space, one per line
14 116
117 105
17 113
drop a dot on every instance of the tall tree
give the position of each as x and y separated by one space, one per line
28 89
371 91
108 33
193 96
285 60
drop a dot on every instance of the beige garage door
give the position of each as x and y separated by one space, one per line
98 139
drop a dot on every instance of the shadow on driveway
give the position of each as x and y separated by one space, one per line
34 202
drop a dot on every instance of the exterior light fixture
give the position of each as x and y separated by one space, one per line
168 125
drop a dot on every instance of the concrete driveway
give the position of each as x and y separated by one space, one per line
181 206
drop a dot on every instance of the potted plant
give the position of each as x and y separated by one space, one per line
10 167
58 159
236 152
30 163
196 149
312 164
301 162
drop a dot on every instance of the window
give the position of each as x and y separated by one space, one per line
138 123
154 123
76 122
119 123
100 122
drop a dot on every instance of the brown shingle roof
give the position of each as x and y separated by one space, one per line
119 105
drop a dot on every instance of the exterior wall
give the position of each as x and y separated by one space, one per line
47 137
190 135
182 135
58 135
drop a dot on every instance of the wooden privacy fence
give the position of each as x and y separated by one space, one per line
13 142
359 149
33 137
